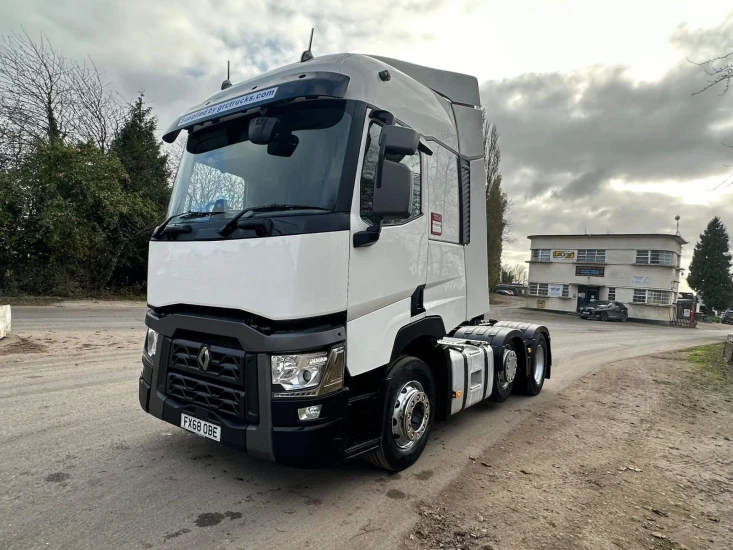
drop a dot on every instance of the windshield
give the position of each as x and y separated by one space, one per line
600 303
222 172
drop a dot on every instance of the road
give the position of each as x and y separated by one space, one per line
81 465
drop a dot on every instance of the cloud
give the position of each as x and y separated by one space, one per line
596 150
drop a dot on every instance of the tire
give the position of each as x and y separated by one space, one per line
533 381
603 316
411 388
502 387
623 317
584 317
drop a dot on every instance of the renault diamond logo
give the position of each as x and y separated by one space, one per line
203 358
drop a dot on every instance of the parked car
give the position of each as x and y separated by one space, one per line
727 317
604 310
504 292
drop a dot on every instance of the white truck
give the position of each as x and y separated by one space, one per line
319 290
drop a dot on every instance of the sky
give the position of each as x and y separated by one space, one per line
600 130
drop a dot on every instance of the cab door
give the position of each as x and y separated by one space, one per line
386 278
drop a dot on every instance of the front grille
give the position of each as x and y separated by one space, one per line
223 400
225 365
228 386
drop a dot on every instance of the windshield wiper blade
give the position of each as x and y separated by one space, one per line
231 225
161 229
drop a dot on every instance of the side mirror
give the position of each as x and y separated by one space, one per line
393 198
396 140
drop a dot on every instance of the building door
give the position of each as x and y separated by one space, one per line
586 295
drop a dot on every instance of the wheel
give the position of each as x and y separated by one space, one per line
408 415
533 382
583 316
504 380
624 316
603 316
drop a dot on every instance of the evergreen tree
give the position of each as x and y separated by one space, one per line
60 210
710 266
496 202
147 168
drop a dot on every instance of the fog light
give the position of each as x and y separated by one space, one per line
309 413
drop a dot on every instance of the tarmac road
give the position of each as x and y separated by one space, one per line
82 466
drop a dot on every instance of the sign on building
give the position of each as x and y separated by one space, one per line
563 255
591 271
554 291
639 280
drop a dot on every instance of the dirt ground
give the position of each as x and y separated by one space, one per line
638 455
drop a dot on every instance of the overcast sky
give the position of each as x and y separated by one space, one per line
599 130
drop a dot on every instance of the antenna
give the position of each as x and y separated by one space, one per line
677 219
307 55
227 83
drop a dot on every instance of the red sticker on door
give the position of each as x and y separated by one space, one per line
436 223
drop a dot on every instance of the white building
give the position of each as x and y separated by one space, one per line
641 271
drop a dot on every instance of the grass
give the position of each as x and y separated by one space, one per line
712 370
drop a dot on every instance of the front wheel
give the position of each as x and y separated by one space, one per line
407 416
604 316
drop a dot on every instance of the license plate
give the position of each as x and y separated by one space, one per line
200 427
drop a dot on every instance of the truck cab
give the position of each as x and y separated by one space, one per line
318 292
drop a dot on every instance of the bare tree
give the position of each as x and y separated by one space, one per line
719 70
519 273
98 114
44 97
35 93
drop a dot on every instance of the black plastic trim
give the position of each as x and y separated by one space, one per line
431 326
417 304
366 238
263 227
252 402
464 189
249 338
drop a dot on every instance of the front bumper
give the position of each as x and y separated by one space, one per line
267 427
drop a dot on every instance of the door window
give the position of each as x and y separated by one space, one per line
368 171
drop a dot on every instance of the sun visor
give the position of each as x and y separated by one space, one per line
282 87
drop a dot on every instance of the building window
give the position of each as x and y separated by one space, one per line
612 293
540 255
542 289
655 297
655 257
592 255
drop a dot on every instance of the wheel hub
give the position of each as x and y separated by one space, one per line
410 415
510 367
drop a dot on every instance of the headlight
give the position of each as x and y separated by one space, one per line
151 342
309 374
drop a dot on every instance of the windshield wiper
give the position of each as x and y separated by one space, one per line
161 229
231 225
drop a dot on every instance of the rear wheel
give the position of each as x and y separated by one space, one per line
504 379
533 382
624 316
407 416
